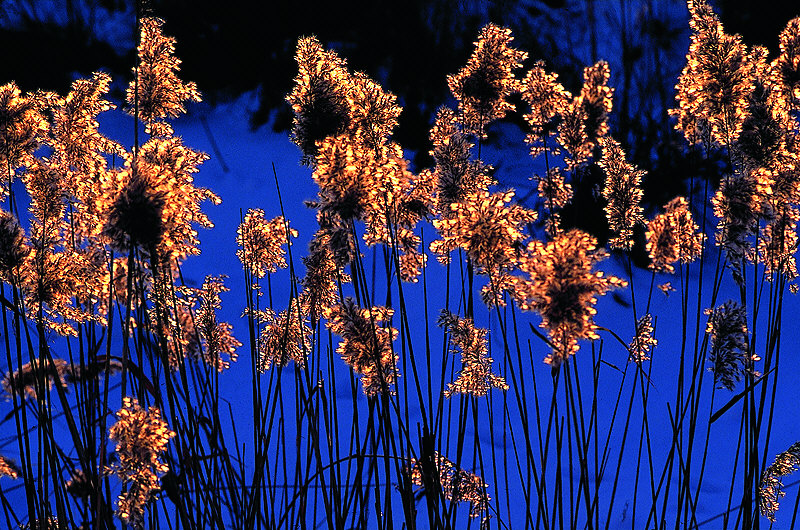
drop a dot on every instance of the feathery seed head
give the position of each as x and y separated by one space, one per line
80 485
771 487
715 83
561 286
343 172
484 84
217 343
261 242
456 174
673 236
374 112
366 344
319 98
157 93
456 484
13 247
548 100
554 190
321 282
286 337
787 64
21 128
643 343
488 227
737 205
585 118
156 202
135 216
623 191
727 330
475 377
38 374
9 468
141 437
778 243
596 99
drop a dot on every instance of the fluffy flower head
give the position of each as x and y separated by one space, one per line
484 84
157 92
366 344
476 377
261 242
141 436
562 287
673 236
623 191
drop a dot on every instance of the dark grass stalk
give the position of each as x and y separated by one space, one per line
606 453
698 358
460 442
393 260
505 438
715 291
388 439
623 442
35 485
334 479
735 469
518 385
20 420
312 415
653 497
354 497
574 501
606 447
553 418
677 438
251 283
680 395
645 433
558 496
593 422
438 420
526 494
428 348
748 410
522 403
264 431
336 453
634 314
159 362
717 280
771 364
493 455
256 398
795 510
583 437
477 455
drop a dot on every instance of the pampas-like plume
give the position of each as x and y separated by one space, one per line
366 344
476 377
158 93
771 488
727 328
623 191
673 236
141 437
562 287
482 87
261 242
457 484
